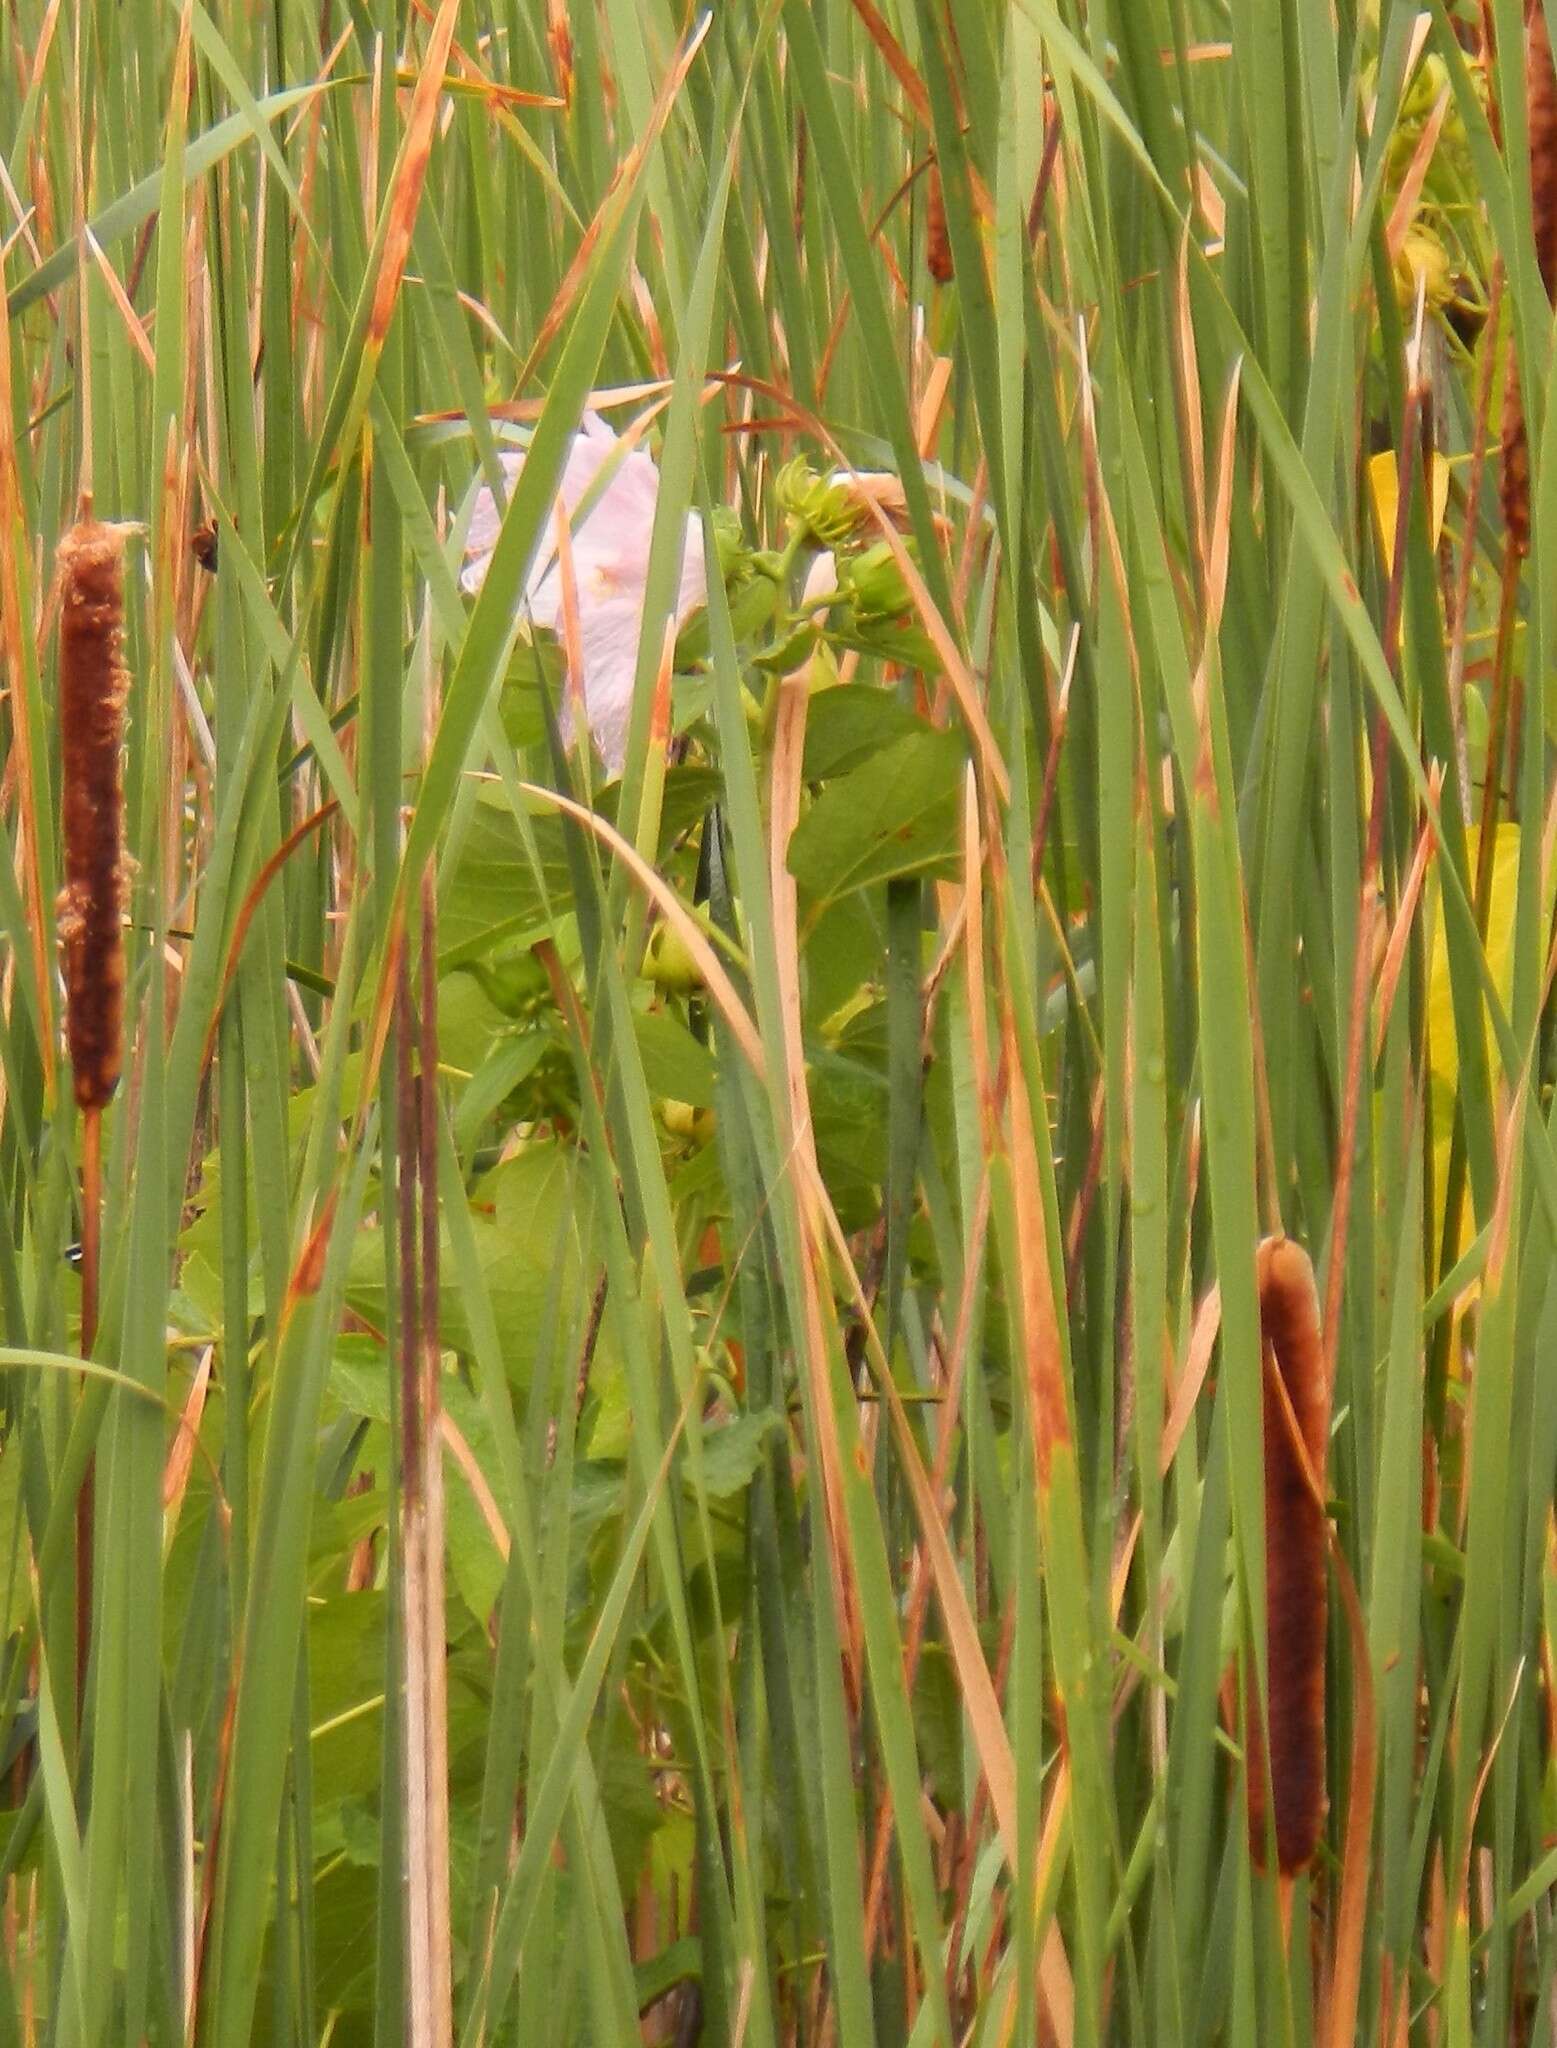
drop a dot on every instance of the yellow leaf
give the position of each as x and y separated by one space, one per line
1444 1044
1384 482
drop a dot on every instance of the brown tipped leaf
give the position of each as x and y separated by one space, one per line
93 683
1295 1584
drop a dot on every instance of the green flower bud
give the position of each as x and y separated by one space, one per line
792 485
1423 256
669 963
730 549
1428 83
824 509
875 583
681 1120
752 605
513 982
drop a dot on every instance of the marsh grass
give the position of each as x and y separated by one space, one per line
799 1206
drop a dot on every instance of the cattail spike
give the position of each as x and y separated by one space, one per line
938 249
1295 1584
1541 127
1541 124
93 684
1514 473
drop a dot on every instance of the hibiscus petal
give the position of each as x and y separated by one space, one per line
610 565
693 587
587 454
485 524
608 645
821 581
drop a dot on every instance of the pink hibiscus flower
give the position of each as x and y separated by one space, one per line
610 568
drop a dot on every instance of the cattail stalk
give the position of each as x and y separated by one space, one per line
93 686
430 1971
1297 1426
429 1956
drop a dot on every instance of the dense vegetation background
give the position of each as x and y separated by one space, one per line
676 1436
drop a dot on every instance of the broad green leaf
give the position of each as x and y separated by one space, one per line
897 814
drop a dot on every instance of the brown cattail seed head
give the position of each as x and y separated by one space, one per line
938 250
1295 1584
1514 474
93 684
1541 124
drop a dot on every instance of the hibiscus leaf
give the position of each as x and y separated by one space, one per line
674 1064
498 892
849 724
896 814
732 1453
